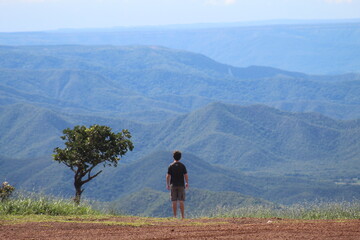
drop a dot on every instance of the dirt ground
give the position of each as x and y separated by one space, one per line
157 228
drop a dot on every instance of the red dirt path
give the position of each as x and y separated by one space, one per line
227 228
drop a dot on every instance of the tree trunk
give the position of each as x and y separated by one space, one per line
78 191
78 182
77 197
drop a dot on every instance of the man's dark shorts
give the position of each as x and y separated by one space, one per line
177 193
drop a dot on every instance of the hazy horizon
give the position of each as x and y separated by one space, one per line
42 15
195 25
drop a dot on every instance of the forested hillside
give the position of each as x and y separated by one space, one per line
254 138
151 84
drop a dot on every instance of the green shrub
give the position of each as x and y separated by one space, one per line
5 191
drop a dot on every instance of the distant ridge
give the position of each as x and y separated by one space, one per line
112 80
291 45
210 25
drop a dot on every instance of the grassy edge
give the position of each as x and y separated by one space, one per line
87 219
105 219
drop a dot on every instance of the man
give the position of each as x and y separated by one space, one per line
175 182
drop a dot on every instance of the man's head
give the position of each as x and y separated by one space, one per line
177 155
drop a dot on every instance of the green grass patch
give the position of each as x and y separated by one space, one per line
39 207
306 211
38 204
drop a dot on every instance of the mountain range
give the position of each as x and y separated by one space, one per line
254 138
236 144
275 155
150 84
317 47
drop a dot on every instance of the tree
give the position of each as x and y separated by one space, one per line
86 148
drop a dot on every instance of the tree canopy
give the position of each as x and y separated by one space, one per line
86 148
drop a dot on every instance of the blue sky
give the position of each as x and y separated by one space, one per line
34 15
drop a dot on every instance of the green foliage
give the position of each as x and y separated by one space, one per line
88 147
28 204
5 191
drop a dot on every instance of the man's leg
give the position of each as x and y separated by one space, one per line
182 209
174 206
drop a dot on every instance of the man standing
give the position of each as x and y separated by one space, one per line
175 182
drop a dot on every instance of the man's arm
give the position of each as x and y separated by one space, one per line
168 177
186 180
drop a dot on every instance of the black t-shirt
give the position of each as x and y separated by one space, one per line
177 170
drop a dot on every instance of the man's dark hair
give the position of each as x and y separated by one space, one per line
177 155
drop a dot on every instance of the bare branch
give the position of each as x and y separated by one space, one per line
89 170
89 178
